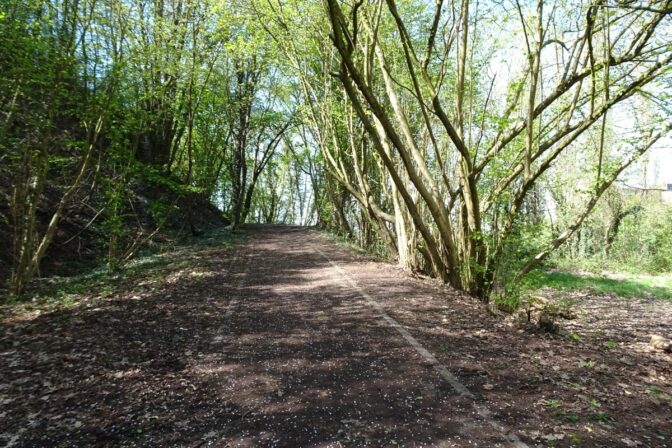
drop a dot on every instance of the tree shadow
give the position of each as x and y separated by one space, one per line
300 360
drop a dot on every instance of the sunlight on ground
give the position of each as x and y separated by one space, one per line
623 285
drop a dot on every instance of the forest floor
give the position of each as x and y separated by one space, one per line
286 338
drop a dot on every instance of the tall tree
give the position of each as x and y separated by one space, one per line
482 158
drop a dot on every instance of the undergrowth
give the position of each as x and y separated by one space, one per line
62 291
629 286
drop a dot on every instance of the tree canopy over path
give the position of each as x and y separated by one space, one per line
469 140
167 166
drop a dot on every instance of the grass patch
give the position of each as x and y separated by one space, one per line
344 241
629 286
214 239
603 417
65 292
508 302
610 345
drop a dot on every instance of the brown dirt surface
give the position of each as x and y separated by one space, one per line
267 343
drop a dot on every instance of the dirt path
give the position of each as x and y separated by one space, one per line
291 340
312 362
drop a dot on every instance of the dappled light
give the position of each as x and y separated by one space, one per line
331 223
266 344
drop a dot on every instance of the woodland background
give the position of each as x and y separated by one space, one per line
487 144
